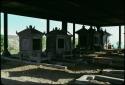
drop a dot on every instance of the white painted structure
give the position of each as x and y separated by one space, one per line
30 44
58 42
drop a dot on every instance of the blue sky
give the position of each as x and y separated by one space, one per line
18 23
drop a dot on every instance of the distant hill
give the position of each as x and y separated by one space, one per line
13 44
13 37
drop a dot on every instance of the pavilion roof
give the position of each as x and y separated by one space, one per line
87 12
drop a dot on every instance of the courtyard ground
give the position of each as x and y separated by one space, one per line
19 73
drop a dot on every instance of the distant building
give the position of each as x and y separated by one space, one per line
92 39
30 44
58 41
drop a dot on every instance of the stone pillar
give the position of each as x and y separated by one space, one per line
73 35
6 52
119 47
64 26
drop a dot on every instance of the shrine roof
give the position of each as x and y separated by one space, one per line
30 30
58 31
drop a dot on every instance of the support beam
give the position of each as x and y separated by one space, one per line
64 26
119 37
73 35
6 52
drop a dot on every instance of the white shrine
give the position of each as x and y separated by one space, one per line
30 44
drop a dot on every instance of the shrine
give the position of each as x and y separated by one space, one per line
59 42
92 39
30 44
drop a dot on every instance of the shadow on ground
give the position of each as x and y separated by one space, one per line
6 64
53 75
14 82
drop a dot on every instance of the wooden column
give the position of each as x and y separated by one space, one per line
6 52
48 29
98 29
119 37
91 37
73 35
64 26
0 35
124 37
48 25
106 42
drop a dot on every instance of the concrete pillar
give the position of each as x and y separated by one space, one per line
6 52
64 26
119 37
73 35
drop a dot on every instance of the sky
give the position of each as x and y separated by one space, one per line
18 23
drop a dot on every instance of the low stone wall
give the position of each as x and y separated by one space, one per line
112 80
54 66
86 79
43 64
